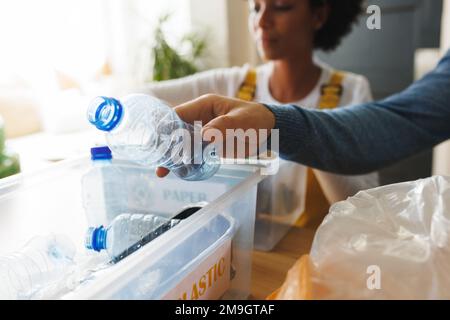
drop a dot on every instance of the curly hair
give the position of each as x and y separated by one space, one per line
343 14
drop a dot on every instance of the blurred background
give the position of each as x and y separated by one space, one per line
57 54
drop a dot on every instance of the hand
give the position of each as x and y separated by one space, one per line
221 113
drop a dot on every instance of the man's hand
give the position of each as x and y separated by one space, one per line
221 113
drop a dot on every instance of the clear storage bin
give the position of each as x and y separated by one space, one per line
280 203
207 256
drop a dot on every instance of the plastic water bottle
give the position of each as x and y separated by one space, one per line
101 187
127 233
42 262
144 129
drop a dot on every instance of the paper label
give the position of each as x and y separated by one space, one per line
174 194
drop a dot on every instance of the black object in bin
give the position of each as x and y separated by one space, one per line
186 213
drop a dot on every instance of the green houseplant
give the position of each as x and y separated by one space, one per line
9 161
168 63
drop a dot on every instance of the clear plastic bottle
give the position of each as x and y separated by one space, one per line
144 129
127 233
42 262
101 187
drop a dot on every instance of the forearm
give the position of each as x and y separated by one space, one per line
367 137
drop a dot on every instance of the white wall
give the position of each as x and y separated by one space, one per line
242 48
226 22
441 163
211 16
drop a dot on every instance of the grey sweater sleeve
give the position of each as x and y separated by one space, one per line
367 137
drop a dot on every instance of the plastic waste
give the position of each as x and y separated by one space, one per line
42 262
144 129
391 242
127 233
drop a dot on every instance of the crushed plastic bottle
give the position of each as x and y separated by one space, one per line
42 262
144 129
127 233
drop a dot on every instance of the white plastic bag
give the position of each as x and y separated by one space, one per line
392 242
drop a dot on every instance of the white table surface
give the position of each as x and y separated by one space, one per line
38 151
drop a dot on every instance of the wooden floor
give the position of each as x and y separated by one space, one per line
270 268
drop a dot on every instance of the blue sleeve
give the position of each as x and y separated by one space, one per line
367 137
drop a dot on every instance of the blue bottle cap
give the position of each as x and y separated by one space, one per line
101 153
105 113
96 239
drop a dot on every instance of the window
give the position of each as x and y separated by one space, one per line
76 37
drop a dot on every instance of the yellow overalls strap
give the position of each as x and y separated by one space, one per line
331 93
247 89
316 205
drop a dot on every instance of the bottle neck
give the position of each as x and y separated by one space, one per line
99 239
105 113
101 163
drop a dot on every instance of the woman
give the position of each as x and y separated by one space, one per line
286 33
